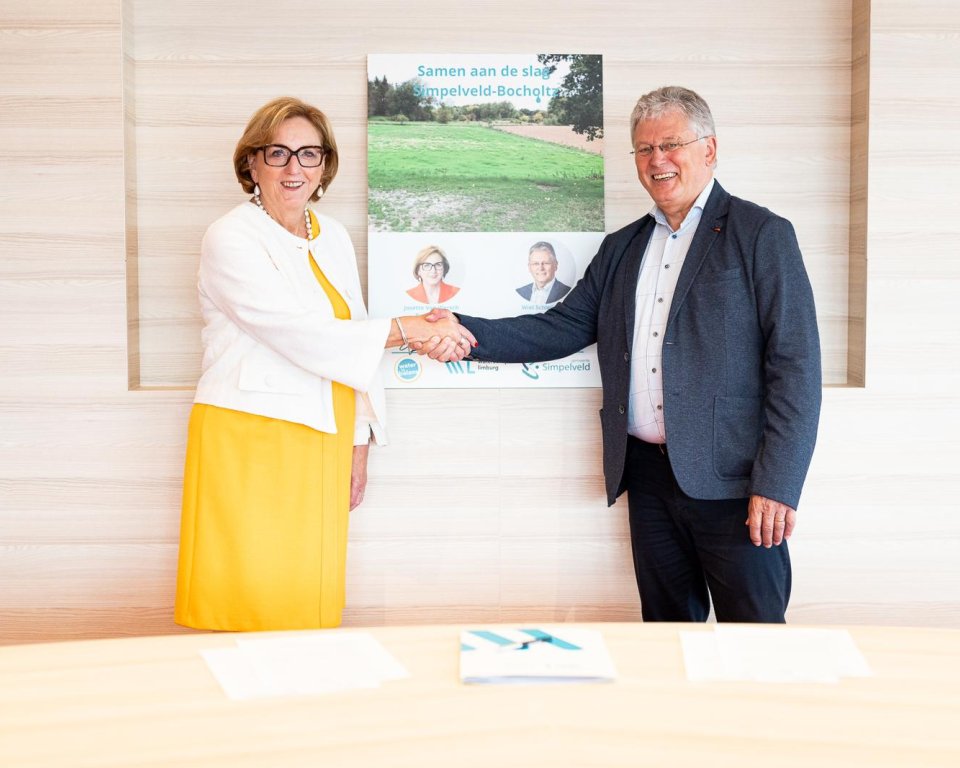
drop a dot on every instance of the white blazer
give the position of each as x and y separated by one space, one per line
271 344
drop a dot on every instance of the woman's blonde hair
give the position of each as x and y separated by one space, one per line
263 127
425 254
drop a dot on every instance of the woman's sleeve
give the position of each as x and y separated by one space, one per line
364 420
239 277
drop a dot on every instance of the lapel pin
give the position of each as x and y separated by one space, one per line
716 229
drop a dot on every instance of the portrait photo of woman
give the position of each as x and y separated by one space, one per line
430 268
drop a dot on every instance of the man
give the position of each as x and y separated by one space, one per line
708 348
545 288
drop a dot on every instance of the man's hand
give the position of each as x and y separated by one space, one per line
770 521
444 348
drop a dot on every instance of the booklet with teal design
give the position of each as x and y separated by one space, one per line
534 655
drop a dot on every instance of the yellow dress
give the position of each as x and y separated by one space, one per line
266 503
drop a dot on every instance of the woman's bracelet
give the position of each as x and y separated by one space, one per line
406 344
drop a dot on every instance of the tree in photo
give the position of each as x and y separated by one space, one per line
378 97
579 101
387 99
407 101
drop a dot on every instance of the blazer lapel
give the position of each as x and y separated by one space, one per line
711 224
629 274
336 269
278 251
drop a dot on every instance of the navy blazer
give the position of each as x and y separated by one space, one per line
741 351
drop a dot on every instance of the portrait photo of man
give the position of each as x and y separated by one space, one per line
545 288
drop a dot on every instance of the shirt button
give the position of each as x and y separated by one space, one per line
660 300
622 409
666 266
674 237
655 334
659 407
653 370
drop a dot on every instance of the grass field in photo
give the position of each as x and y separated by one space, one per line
466 177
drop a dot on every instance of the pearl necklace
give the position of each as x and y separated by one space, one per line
306 217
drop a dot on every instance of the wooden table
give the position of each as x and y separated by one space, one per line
153 702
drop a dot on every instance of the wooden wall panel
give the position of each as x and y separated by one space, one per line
501 517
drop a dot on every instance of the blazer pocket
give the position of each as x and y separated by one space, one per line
736 435
724 275
257 377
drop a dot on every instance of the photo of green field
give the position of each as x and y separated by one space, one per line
470 177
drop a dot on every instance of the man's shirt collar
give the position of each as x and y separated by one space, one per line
696 210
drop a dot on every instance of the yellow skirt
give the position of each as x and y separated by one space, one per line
263 539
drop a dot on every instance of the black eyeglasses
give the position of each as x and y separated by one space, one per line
278 155
671 145
428 267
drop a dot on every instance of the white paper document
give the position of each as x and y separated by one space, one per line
300 664
772 655
535 655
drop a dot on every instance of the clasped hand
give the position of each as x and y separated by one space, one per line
439 335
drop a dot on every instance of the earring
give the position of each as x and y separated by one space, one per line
319 192
256 195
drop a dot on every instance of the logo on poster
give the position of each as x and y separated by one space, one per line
456 367
530 371
407 369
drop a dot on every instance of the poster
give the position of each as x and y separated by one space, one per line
485 196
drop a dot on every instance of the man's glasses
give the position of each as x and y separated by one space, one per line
430 267
670 145
278 155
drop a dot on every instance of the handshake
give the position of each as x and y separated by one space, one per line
437 334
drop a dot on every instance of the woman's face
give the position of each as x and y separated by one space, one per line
288 188
431 269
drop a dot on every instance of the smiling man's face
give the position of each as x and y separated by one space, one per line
674 179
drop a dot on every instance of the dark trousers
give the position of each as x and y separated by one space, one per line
687 550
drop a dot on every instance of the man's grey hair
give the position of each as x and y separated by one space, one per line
543 245
673 98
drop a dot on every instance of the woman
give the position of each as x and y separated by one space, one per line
430 267
289 396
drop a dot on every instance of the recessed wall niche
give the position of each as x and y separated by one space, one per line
788 87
